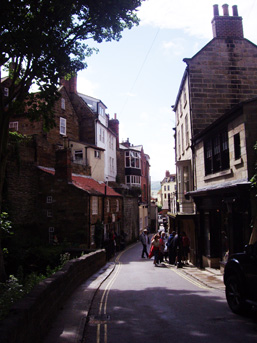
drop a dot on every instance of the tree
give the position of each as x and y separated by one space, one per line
43 40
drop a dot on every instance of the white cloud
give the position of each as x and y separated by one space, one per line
194 17
175 47
87 86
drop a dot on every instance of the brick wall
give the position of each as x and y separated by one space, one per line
30 319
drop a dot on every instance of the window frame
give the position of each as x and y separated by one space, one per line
63 126
216 153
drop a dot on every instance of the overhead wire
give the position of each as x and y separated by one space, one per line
141 68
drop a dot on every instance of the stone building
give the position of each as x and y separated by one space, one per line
217 78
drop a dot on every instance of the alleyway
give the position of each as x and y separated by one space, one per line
136 302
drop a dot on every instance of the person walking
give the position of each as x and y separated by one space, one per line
171 248
185 247
162 246
155 244
145 241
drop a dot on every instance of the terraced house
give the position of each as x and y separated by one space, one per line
215 132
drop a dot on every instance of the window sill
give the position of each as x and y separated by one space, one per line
238 162
217 175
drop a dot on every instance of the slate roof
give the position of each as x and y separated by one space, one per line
87 183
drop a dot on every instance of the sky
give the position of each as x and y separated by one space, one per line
138 78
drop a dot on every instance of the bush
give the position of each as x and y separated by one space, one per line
16 288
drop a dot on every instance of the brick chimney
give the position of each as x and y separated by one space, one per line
63 170
167 174
114 126
227 26
70 85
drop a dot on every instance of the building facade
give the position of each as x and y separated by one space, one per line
217 78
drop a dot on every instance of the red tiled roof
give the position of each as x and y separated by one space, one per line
87 184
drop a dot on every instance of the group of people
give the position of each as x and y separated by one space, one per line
166 248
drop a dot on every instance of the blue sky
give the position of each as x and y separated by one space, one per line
138 77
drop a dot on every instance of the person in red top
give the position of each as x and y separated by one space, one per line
185 247
162 246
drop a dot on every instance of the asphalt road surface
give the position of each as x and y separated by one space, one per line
142 303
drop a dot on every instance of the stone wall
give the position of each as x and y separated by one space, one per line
222 75
30 319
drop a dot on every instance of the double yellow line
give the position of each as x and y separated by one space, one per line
104 299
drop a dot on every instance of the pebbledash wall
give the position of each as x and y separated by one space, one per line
29 320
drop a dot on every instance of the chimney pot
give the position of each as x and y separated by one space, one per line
215 10
225 10
235 12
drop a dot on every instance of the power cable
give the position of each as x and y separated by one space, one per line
141 68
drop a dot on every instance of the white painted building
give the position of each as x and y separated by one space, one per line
104 136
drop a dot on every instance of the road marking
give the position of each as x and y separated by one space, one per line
104 298
190 279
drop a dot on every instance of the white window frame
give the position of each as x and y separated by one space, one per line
97 154
77 155
63 126
117 205
49 199
94 205
14 125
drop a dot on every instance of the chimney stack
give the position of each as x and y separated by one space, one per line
227 26
225 10
63 171
114 126
71 84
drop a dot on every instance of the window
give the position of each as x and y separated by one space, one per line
6 91
97 154
164 188
179 147
108 205
78 155
63 104
49 199
133 180
133 160
187 131
186 179
168 188
237 146
49 213
117 205
13 125
182 138
94 205
63 126
216 153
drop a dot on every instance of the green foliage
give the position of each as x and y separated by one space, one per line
10 292
16 288
39 52
5 224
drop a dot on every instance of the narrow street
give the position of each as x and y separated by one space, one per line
139 302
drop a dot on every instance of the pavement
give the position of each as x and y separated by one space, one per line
70 322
